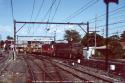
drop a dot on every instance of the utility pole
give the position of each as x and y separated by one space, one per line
54 36
107 53
107 21
95 32
14 48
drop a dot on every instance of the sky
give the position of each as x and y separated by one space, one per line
62 11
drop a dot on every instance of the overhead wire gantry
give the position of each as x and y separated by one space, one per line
60 23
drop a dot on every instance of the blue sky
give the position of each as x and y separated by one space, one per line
23 10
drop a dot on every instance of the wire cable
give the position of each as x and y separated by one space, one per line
114 23
56 10
114 17
82 9
29 29
49 10
109 12
49 13
32 10
41 6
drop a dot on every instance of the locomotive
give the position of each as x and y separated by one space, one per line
63 50
54 49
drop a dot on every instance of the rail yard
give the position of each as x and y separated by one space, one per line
62 41
27 68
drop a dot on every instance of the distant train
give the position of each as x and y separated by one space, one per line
62 50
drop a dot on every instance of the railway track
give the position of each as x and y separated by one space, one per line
82 74
35 77
30 71
58 74
96 77
57 67
5 62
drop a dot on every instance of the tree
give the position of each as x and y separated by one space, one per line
1 43
72 36
9 37
123 36
113 38
89 40
116 49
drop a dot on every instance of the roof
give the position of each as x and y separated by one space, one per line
100 47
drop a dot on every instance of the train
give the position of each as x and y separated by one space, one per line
74 51
61 50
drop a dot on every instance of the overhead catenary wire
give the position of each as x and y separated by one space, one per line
82 9
114 17
31 14
56 10
58 4
112 11
117 27
114 23
48 13
32 10
39 11
40 8
49 10
111 24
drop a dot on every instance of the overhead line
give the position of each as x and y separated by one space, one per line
78 10
109 12
66 23
32 14
82 9
117 27
12 9
32 10
113 23
110 18
56 10
49 12
50 9
41 6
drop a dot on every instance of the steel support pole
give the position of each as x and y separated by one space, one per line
107 53
14 55
87 34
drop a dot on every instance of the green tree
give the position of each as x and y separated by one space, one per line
9 37
123 36
72 36
89 40
114 37
116 49
1 43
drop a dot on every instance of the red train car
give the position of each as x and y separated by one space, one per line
63 50
47 50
